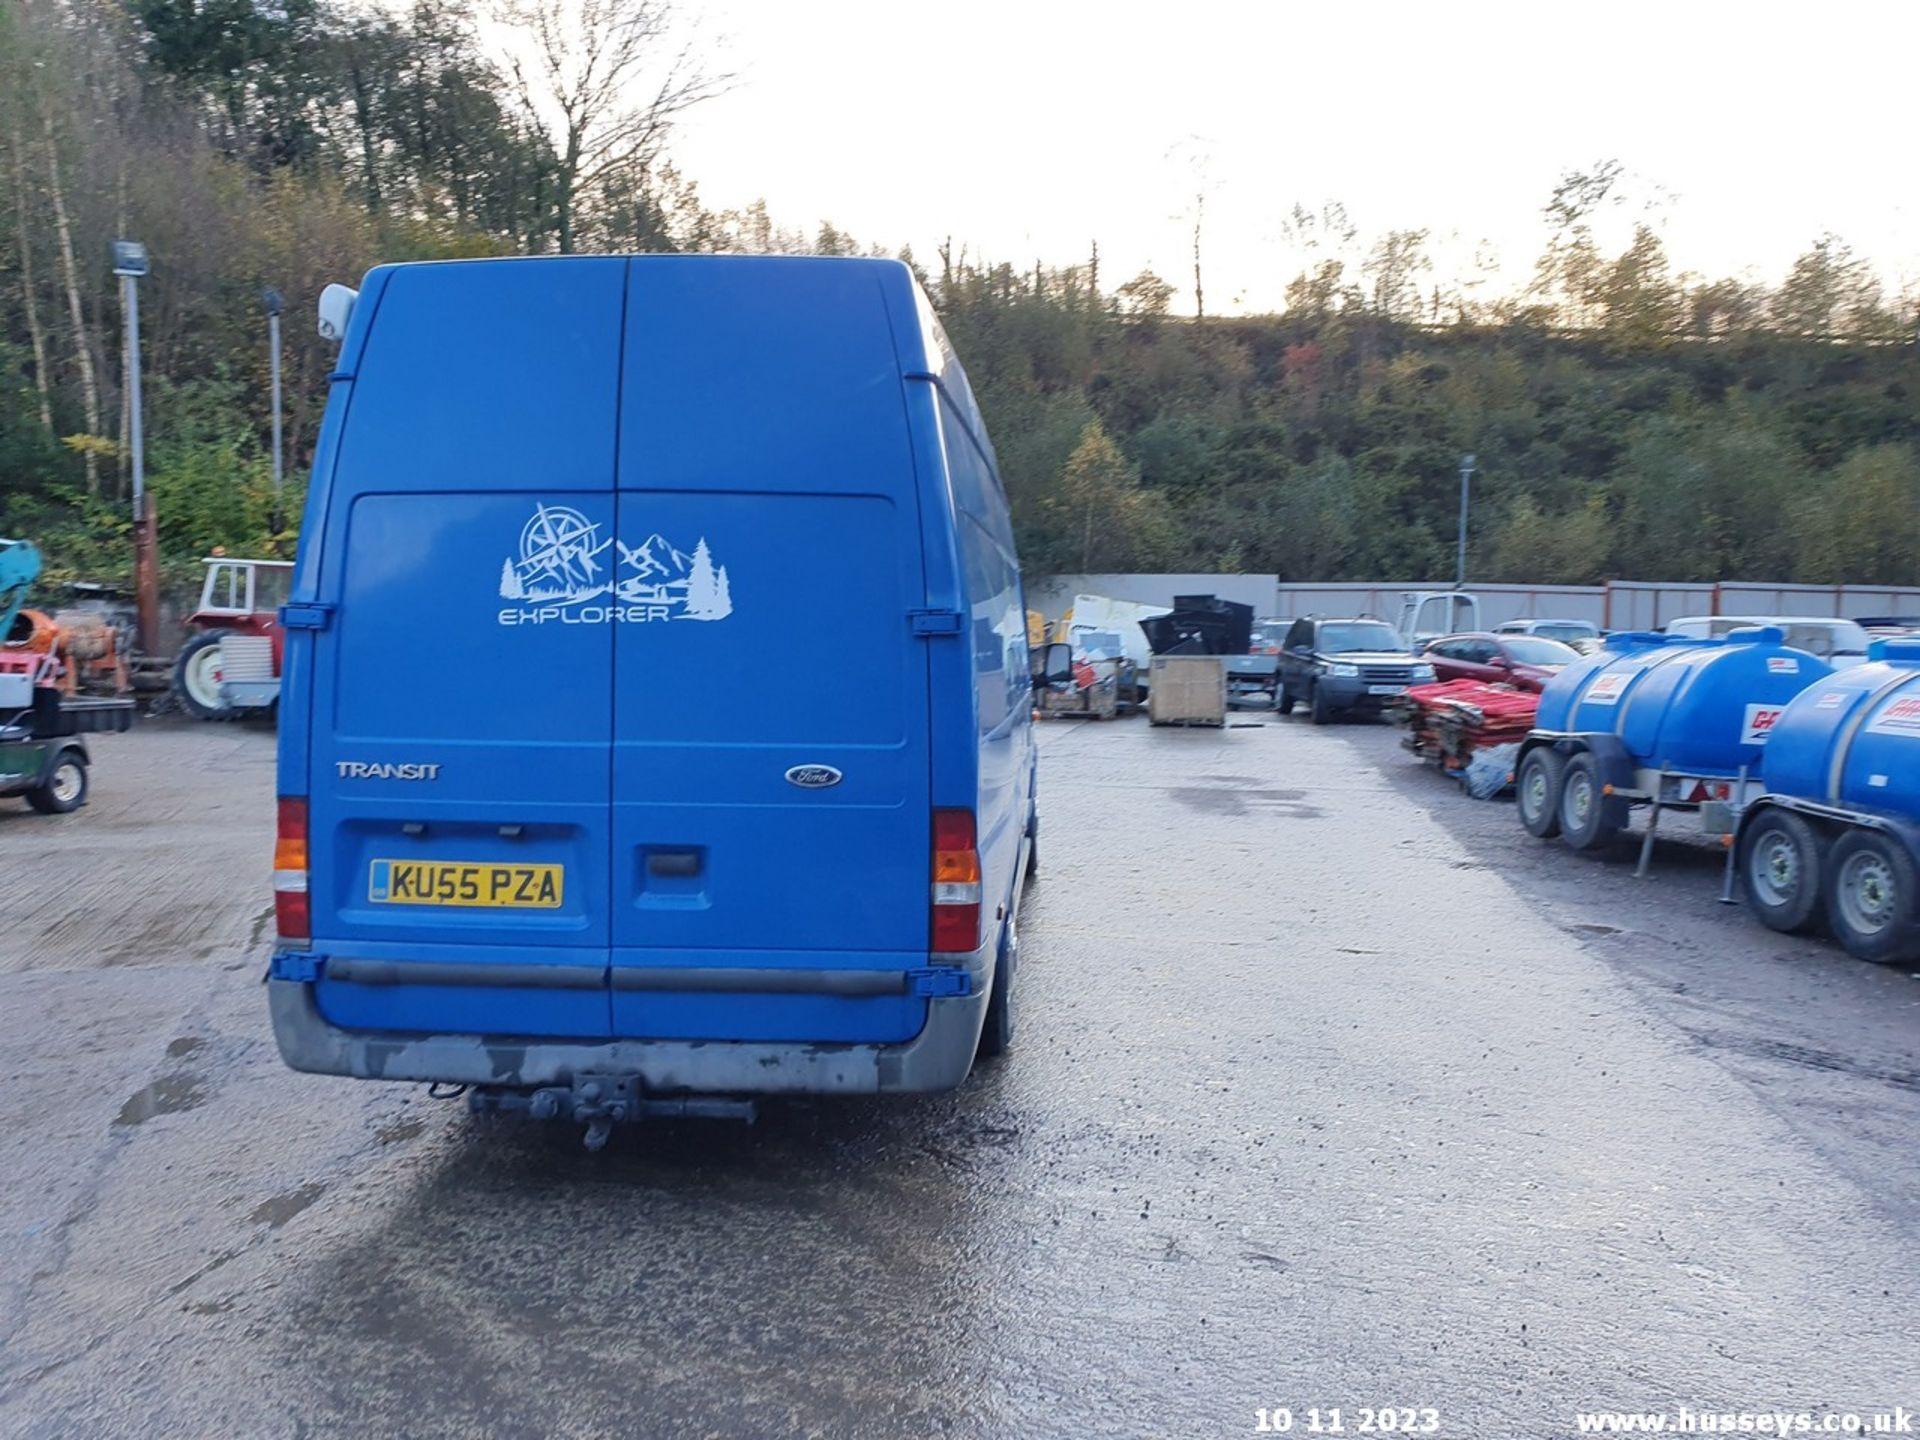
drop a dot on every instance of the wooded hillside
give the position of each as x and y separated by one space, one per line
1627 420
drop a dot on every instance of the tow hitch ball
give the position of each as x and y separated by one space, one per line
597 1101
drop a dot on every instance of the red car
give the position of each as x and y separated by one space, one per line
1526 662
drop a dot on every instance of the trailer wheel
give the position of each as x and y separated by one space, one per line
1588 818
1870 898
65 790
1781 860
1283 699
196 677
1537 791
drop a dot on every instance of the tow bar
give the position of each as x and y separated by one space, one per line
597 1101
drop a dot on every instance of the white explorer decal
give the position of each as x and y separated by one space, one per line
564 568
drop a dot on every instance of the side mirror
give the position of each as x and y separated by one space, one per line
336 311
1053 664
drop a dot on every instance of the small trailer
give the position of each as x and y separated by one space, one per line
1836 836
1657 722
43 750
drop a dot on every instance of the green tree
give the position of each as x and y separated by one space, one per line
1861 525
1115 523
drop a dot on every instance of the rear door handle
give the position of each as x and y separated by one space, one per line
673 862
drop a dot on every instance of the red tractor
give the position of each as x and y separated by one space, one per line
232 663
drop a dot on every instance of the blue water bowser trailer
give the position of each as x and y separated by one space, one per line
1836 836
1656 721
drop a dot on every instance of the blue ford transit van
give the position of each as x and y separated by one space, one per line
656 707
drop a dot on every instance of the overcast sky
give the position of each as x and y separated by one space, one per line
1027 128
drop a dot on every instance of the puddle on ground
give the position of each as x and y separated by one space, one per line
1593 929
281 1208
1286 803
168 1095
400 1130
185 1045
260 923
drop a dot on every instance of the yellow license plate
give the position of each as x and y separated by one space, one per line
436 882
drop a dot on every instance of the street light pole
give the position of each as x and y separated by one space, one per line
130 263
1460 560
274 303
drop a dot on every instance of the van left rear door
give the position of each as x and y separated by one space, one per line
462 696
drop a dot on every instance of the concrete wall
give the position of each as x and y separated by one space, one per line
1617 605
1498 603
1052 595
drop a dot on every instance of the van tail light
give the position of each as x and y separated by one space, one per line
956 883
292 915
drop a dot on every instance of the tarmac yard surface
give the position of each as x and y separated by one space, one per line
1331 1088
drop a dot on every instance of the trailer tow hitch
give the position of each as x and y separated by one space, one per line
598 1101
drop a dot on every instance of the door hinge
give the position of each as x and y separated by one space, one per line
937 622
305 615
296 965
945 980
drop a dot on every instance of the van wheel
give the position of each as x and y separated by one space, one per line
196 677
65 790
1283 702
996 1036
1781 859
1537 791
1320 711
1870 898
1588 817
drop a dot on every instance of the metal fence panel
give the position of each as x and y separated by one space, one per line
1617 605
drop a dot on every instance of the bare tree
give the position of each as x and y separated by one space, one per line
82 336
607 79
36 333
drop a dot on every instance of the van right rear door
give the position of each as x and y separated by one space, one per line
771 821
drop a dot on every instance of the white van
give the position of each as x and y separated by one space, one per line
1840 643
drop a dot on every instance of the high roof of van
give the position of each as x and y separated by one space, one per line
735 294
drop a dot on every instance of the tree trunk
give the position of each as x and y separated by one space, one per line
1199 294
82 343
28 287
563 190
363 121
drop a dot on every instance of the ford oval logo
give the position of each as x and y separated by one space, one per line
814 777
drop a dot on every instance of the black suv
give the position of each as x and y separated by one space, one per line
1337 667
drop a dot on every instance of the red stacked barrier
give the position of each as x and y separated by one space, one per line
1449 722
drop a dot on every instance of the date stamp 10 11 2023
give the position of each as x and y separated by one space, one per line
1344 1420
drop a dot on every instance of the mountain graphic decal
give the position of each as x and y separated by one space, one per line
564 564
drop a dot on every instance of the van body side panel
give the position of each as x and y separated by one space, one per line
988 678
1001 678
462 695
771 739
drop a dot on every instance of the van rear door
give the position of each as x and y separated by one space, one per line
771 822
462 697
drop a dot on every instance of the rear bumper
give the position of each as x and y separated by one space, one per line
938 1058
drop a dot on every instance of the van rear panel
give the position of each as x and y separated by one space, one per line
458 782
770 753
639 581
